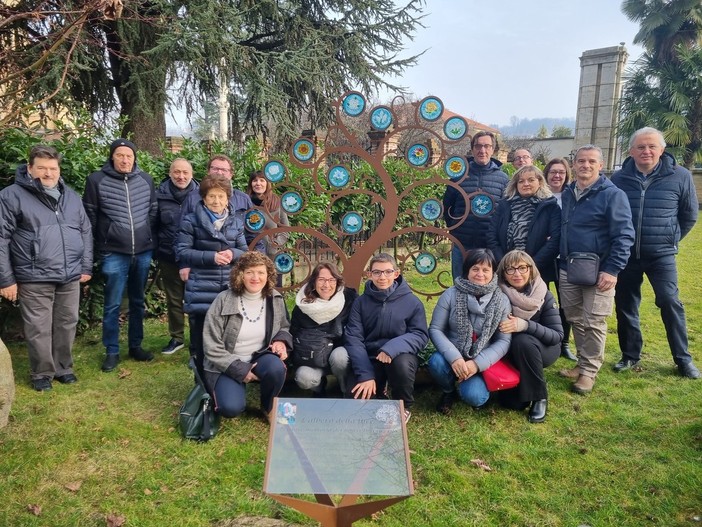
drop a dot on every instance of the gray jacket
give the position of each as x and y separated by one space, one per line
221 330
42 239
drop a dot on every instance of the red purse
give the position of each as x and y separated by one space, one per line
501 376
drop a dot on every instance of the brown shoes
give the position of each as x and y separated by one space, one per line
583 385
572 373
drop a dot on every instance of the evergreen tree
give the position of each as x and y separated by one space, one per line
282 60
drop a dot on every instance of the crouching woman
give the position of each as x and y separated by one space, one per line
246 337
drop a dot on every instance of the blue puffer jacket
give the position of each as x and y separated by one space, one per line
122 209
599 223
170 200
543 239
488 179
197 243
664 206
41 239
394 323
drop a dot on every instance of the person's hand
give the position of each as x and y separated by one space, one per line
513 324
606 281
223 257
9 292
184 273
464 369
279 348
384 358
364 390
251 376
85 278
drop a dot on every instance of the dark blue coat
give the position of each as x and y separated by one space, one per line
490 180
197 243
41 239
169 217
122 210
664 206
394 323
543 239
599 223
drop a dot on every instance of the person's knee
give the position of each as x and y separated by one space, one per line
230 407
339 359
307 378
472 394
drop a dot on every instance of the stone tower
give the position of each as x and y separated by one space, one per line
600 89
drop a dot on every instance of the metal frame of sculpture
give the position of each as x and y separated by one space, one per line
416 136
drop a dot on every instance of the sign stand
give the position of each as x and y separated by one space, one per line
338 447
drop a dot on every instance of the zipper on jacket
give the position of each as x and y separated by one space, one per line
129 210
640 223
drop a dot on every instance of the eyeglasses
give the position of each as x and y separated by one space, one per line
483 147
223 170
378 273
522 269
330 281
521 158
557 172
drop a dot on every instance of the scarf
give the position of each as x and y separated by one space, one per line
526 303
465 289
321 311
522 213
180 194
217 219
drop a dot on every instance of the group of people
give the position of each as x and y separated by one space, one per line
628 226
218 273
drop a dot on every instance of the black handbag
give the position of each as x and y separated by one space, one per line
583 268
313 350
197 418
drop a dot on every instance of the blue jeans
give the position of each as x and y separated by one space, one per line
456 262
122 270
472 391
663 275
230 395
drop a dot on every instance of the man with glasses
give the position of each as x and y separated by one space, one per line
596 219
386 329
484 184
664 207
522 158
46 252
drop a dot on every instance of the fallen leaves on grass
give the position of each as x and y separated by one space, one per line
115 520
481 464
34 509
73 486
123 372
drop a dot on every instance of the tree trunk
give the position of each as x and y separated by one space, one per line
147 129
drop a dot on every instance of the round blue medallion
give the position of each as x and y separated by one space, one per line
255 220
430 209
291 201
283 263
381 118
455 167
418 155
425 263
481 205
353 104
303 150
274 171
431 108
338 176
351 223
455 128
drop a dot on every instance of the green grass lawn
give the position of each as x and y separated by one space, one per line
629 454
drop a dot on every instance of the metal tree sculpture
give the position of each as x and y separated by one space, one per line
348 174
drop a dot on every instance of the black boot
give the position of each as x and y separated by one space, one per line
566 353
537 412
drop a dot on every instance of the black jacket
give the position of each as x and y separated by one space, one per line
488 179
664 206
543 238
170 203
122 209
41 239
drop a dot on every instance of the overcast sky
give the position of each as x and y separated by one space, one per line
490 60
